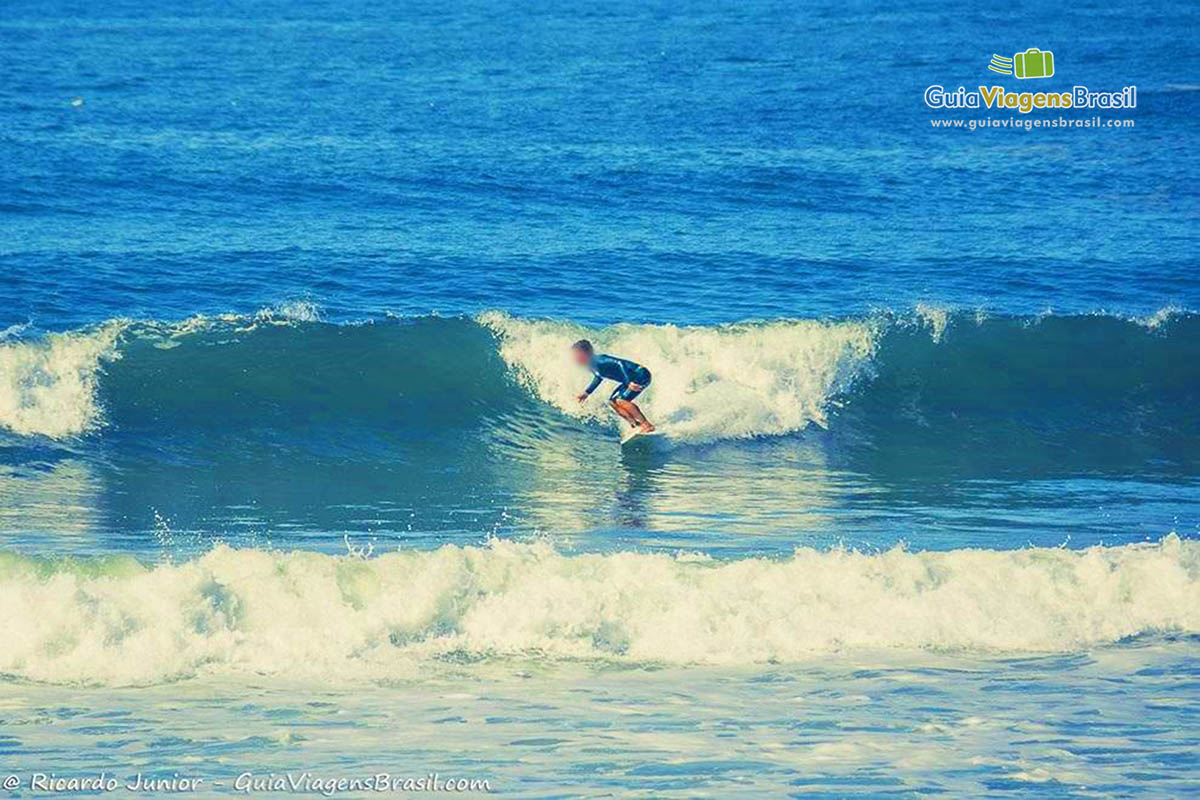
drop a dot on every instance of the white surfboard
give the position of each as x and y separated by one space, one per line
636 433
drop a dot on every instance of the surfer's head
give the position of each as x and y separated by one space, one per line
582 351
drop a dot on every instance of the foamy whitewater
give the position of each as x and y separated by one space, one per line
48 386
711 382
317 617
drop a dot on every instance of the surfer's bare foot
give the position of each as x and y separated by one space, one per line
646 427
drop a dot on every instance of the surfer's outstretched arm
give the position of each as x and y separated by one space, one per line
591 387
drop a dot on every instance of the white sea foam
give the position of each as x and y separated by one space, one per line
13 331
1160 317
314 616
936 317
709 382
291 311
48 384
169 333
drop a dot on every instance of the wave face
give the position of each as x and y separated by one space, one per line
113 621
1056 387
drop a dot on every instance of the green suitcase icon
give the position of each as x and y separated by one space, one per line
1033 63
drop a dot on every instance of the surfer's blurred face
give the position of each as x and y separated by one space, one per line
581 351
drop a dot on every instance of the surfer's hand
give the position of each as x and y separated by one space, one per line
582 397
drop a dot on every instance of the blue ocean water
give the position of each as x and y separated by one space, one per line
292 476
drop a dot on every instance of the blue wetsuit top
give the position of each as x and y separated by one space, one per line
621 370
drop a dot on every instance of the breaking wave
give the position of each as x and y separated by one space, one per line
115 621
709 382
48 386
936 378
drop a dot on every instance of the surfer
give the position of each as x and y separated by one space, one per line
632 378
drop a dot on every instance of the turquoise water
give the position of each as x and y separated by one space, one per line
293 480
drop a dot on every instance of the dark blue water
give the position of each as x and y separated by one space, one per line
688 163
285 296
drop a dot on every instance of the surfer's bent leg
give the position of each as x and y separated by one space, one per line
622 400
623 407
